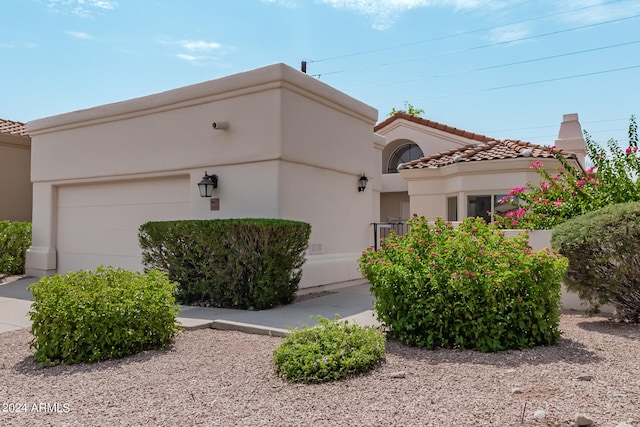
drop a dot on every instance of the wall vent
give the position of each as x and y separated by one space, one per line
315 248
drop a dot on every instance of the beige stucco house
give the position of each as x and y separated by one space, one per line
437 170
15 166
282 144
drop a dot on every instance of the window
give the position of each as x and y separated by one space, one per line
452 208
403 154
479 206
482 206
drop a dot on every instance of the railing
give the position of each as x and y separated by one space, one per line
382 229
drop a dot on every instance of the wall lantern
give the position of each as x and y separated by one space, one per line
208 183
362 183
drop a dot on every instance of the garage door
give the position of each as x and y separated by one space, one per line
98 223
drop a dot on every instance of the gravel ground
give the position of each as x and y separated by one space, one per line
210 378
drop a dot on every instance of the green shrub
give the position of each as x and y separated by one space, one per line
603 248
328 351
15 239
468 287
108 313
233 263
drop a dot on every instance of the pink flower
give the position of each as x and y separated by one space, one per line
557 203
628 150
544 186
557 177
590 170
580 182
516 190
520 212
535 165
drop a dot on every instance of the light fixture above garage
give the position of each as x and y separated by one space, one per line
362 183
208 183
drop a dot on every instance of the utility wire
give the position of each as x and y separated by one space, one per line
531 83
364 52
582 27
491 67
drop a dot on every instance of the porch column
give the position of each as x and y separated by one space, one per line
41 256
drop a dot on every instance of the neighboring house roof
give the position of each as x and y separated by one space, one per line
491 150
431 124
11 127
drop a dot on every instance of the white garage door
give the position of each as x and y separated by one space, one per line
98 223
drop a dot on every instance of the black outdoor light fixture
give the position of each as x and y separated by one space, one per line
208 183
362 183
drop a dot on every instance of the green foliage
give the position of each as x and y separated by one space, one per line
15 239
108 313
468 287
328 351
570 192
409 109
233 263
603 248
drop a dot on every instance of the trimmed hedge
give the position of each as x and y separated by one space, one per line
108 313
603 248
15 239
244 263
466 287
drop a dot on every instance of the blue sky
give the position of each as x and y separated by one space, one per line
503 68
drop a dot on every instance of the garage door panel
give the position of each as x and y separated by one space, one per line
98 224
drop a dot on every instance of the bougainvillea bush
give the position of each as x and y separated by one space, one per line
569 192
468 287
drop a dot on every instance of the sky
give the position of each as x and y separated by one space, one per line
502 68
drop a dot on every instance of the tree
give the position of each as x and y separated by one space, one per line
409 109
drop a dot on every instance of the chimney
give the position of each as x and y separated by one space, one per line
570 137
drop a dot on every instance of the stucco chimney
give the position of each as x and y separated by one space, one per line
570 137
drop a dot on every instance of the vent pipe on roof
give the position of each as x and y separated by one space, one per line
303 67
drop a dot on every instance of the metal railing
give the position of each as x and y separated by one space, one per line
382 229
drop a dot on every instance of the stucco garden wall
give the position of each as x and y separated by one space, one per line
294 149
15 182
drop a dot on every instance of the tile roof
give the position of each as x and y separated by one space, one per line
10 127
491 150
432 124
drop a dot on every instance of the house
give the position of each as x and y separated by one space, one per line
282 144
437 170
15 165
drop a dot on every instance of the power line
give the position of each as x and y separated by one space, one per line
364 52
582 27
531 83
491 67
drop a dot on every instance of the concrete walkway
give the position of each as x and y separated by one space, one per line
354 303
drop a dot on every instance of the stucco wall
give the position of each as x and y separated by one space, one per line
294 148
15 182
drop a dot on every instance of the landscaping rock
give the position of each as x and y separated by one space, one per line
585 378
399 374
583 420
539 414
624 424
517 390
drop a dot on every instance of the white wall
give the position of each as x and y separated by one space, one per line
294 149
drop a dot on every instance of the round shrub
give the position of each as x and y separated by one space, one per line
468 287
603 248
108 313
328 351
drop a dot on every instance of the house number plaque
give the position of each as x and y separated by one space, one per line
214 204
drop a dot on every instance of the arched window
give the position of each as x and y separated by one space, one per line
403 154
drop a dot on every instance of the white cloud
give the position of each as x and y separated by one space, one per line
291 4
79 35
595 11
80 8
188 58
509 33
199 45
385 12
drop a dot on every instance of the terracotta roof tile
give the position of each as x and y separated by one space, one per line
432 124
10 127
491 150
